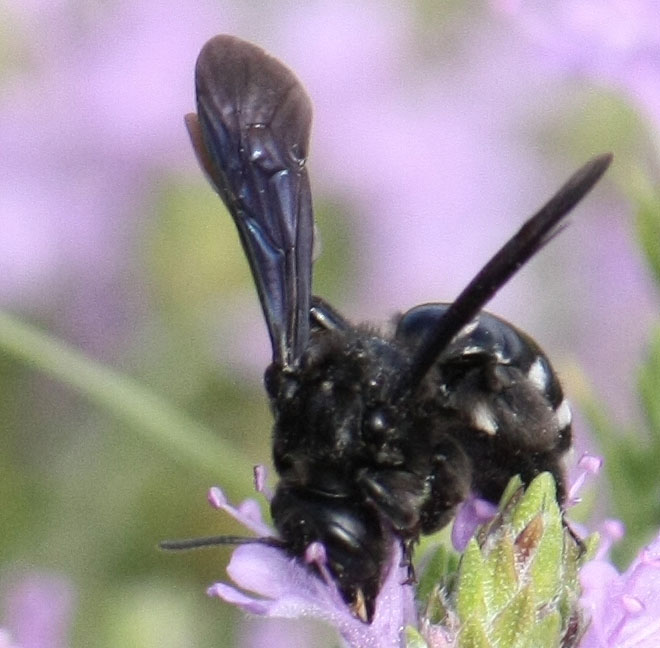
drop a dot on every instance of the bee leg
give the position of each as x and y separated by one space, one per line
579 542
397 495
407 546
449 484
325 317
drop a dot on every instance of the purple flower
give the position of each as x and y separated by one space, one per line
621 610
281 586
587 466
624 609
472 513
37 611
5 639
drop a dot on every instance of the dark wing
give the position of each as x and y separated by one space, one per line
251 135
529 239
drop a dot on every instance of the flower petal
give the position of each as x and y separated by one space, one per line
473 512
247 513
287 588
624 608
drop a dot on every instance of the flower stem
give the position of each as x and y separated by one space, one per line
159 423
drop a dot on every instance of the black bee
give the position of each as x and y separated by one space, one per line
377 437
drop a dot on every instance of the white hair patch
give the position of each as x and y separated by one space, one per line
483 419
538 374
563 415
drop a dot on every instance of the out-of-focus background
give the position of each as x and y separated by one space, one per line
439 126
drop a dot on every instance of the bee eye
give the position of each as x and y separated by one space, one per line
271 381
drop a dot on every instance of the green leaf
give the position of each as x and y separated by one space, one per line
649 384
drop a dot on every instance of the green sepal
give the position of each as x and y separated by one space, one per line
547 571
413 639
471 585
591 544
501 564
546 633
473 635
540 495
516 620
517 583
514 486
439 565
435 609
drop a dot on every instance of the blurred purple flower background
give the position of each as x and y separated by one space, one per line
614 43
90 115
438 129
37 610
428 143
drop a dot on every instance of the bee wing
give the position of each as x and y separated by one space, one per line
536 232
251 135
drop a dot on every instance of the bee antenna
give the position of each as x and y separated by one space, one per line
215 541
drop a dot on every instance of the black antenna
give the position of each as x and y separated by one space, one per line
215 541
530 238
